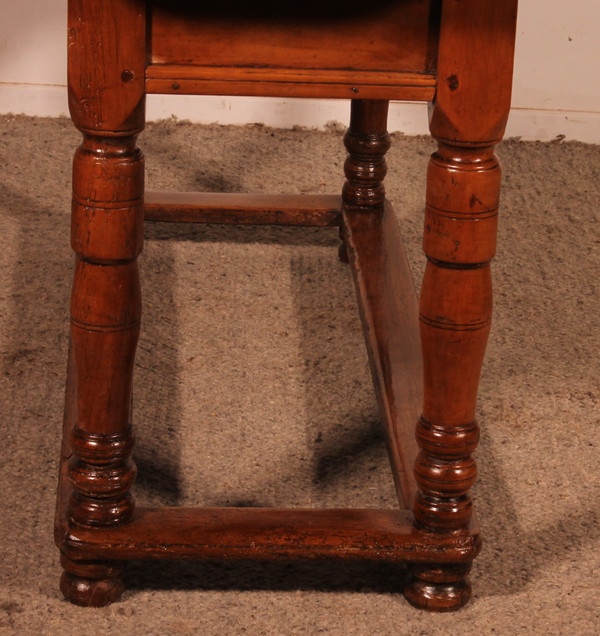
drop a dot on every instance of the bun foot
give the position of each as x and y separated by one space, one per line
442 588
91 584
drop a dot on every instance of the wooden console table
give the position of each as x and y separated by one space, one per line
425 357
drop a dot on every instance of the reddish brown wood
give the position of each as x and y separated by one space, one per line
310 35
388 307
91 555
367 140
270 533
106 83
91 583
107 105
471 108
240 209
296 49
83 582
439 587
260 82
384 50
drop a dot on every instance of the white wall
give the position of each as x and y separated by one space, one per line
556 84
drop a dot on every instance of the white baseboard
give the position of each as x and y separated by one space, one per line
40 100
407 117
547 125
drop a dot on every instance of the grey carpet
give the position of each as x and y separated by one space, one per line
252 388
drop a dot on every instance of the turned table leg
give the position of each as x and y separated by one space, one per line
107 218
106 97
463 186
455 318
366 141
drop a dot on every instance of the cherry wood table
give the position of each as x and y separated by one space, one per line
425 355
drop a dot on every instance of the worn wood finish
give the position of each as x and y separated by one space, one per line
388 307
366 140
260 82
463 187
83 582
305 49
319 210
311 35
458 53
270 533
93 557
106 100
385 292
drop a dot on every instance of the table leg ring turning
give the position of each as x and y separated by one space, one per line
425 354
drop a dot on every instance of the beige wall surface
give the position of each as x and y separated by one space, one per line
556 88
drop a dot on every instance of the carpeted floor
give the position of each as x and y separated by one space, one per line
283 413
